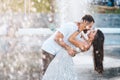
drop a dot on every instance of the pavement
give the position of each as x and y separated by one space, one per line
85 69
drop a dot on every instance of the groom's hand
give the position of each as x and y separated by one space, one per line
71 52
84 50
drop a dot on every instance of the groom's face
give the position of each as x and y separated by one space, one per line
88 26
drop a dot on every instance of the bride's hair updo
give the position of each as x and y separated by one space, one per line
98 51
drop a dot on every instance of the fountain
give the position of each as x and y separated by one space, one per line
24 61
72 10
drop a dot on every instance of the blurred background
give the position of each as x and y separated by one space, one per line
26 24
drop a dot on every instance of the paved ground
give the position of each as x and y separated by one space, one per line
84 67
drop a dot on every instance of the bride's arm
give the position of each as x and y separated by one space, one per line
84 36
80 44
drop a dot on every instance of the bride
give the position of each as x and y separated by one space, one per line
62 66
96 38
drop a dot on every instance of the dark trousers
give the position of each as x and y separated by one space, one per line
46 58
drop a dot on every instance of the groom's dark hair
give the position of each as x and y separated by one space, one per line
88 18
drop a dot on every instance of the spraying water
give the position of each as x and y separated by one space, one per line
72 10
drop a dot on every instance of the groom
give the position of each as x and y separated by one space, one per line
59 39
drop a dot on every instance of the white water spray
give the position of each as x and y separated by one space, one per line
72 10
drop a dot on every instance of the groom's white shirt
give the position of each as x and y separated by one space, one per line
66 29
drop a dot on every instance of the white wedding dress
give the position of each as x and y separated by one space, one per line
61 68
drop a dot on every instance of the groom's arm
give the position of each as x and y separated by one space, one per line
59 39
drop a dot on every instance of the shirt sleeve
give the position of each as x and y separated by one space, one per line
64 29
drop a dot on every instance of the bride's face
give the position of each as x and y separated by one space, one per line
92 34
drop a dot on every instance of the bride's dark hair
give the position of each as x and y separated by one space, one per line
98 51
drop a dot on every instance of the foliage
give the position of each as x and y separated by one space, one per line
26 5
